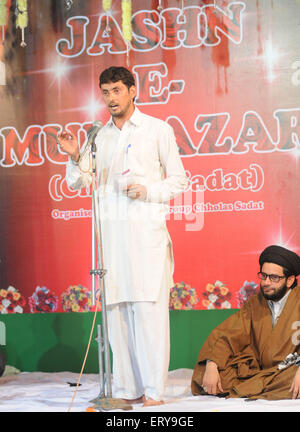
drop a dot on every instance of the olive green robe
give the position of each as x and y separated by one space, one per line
247 350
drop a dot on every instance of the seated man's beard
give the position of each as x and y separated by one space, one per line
276 295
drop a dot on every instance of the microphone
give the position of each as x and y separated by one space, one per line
91 136
92 133
90 143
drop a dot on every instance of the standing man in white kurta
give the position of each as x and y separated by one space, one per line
139 170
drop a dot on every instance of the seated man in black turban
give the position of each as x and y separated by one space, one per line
255 353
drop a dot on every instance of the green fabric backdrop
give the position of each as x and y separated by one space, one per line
57 342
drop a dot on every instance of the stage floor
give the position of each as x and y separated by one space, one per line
51 392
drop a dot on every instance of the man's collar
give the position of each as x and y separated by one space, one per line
281 301
110 122
135 118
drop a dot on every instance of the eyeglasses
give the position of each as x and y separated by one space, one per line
272 277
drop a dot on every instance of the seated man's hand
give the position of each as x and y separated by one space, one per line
211 379
295 387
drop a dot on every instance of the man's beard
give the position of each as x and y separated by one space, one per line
122 112
278 295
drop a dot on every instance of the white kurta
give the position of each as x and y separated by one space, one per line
137 248
134 233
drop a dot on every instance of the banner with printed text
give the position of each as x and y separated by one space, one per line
224 74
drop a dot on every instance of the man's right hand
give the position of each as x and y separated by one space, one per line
69 144
211 382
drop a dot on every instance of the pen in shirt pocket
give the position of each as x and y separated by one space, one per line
126 160
127 148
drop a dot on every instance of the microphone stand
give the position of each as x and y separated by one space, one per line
104 400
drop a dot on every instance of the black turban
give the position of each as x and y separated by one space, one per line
281 256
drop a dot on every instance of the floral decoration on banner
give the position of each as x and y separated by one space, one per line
182 296
11 301
22 18
69 4
3 16
216 296
42 300
126 20
160 6
126 24
107 4
247 290
76 298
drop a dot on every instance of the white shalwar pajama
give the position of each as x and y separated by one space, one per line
140 332
137 248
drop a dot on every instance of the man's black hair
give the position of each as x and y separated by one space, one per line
117 73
